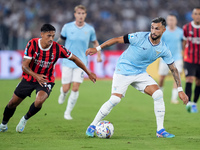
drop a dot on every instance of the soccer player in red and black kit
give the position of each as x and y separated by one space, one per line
38 64
191 44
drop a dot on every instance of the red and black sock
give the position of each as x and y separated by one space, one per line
32 111
188 90
196 93
8 113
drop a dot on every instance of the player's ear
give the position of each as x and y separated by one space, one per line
164 29
42 34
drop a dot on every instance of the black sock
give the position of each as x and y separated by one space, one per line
196 93
32 111
8 113
188 90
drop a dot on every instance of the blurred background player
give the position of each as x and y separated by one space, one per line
173 37
77 36
144 48
40 56
191 45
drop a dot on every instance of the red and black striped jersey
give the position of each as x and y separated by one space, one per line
192 48
43 60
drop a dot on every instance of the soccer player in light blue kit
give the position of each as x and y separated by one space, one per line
144 48
173 37
77 36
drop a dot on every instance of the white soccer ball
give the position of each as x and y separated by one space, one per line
104 129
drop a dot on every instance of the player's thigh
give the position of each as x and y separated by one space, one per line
24 89
46 88
163 68
143 81
179 65
66 75
77 75
120 84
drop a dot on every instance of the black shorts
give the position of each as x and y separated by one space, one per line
25 88
192 69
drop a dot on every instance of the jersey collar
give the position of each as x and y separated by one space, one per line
46 49
78 26
194 25
151 42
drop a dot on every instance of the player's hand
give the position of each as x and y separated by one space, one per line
91 51
92 77
183 97
99 59
41 79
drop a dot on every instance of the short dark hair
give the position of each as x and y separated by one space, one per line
197 7
47 28
158 20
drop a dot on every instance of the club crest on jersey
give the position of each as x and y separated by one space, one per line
157 53
52 56
37 54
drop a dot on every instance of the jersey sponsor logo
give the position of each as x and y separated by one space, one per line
194 40
42 63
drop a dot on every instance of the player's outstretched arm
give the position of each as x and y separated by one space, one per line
80 64
39 77
108 43
177 79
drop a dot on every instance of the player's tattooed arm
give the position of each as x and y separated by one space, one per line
25 68
175 74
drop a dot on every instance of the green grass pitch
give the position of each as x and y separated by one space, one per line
133 120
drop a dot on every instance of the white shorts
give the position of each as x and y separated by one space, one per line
70 75
120 82
163 69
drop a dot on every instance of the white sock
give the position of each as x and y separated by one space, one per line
162 89
105 109
71 102
174 94
159 108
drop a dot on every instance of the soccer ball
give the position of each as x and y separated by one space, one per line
104 129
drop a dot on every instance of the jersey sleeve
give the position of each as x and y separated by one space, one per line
185 32
93 35
65 53
133 38
63 32
167 57
28 53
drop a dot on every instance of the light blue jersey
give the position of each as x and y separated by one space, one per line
141 53
77 41
173 39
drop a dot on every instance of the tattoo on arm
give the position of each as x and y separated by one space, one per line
175 74
26 70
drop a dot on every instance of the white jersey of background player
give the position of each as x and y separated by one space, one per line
173 37
77 36
131 67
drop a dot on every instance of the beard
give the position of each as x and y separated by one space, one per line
155 38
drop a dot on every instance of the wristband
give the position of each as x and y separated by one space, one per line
98 48
180 89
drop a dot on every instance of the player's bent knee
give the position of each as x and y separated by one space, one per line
114 100
157 95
